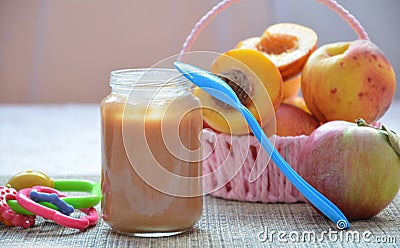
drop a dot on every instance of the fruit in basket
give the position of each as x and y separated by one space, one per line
291 87
297 101
293 121
355 166
256 81
348 80
288 46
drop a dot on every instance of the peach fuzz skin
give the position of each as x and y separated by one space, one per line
297 101
348 80
292 121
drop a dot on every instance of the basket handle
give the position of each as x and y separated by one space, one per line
210 15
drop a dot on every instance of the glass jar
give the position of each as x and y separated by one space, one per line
151 153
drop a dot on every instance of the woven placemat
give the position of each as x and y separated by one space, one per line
224 223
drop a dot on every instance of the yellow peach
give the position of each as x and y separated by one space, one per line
297 101
287 45
291 87
348 80
293 121
256 81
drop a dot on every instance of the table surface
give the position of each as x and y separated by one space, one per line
64 142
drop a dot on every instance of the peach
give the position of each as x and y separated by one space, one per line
293 121
291 87
256 81
297 101
287 45
348 80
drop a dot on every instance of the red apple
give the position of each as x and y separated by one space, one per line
353 166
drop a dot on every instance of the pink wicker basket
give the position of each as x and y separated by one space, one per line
229 160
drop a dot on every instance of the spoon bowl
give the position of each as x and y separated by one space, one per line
210 83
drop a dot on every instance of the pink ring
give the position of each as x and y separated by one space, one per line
51 214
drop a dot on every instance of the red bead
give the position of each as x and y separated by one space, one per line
7 215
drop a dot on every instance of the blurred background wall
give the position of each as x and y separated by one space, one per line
54 51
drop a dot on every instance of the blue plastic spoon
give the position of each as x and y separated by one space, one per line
216 87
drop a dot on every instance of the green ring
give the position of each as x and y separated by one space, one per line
68 185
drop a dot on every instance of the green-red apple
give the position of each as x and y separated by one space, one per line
353 166
348 80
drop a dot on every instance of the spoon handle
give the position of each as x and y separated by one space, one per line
315 197
217 88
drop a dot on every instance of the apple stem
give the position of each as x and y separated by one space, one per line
361 123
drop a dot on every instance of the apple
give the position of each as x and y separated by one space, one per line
292 121
353 165
348 80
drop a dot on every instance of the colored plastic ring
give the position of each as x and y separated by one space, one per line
68 185
51 214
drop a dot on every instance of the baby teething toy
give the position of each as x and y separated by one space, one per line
29 178
32 193
82 223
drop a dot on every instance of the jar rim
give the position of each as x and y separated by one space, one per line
148 77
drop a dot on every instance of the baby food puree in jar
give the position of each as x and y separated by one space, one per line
151 153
